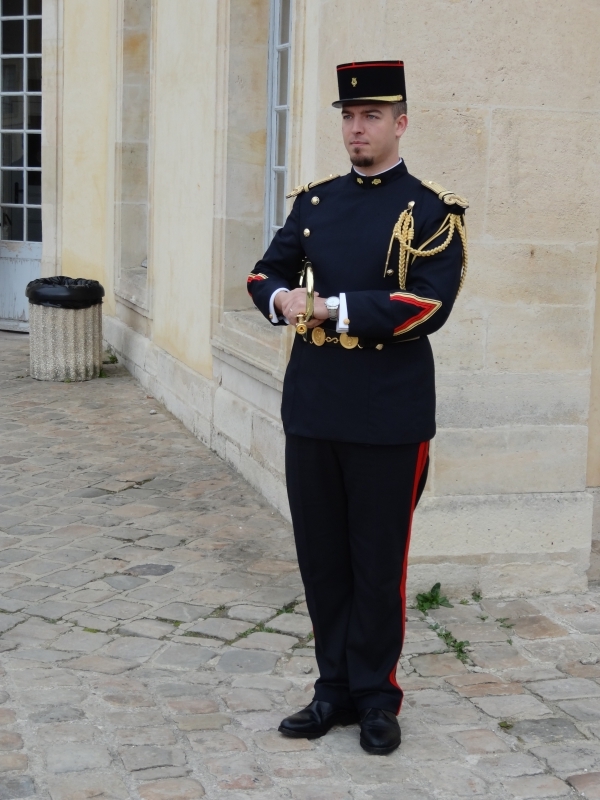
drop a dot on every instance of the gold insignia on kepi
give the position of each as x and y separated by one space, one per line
318 336
354 82
349 342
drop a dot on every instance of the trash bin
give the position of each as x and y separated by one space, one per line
65 325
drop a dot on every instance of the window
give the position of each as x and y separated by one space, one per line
21 120
279 112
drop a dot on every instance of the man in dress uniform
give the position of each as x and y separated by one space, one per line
388 254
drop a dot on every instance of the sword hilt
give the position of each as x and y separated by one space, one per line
302 319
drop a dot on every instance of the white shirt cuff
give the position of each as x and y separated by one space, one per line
274 318
342 325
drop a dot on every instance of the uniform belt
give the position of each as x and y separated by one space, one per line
323 337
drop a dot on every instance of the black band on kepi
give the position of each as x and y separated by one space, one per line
371 82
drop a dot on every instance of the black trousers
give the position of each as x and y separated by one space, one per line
352 507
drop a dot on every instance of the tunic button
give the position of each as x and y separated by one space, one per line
390 272
306 231
315 201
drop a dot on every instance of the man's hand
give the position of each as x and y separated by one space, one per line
290 304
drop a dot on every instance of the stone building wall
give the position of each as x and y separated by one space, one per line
503 107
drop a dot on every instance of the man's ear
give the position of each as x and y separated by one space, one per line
401 125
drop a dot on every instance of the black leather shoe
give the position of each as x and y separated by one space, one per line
379 731
316 720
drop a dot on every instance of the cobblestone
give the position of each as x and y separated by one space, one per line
138 574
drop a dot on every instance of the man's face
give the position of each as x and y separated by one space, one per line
371 133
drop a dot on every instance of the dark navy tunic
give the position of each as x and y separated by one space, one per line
368 396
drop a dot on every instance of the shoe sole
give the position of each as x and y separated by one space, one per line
298 735
379 751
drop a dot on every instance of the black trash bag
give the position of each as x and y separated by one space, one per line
62 292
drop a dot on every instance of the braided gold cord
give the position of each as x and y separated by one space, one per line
404 231
461 227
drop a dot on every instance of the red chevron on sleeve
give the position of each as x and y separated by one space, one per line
424 308
252 277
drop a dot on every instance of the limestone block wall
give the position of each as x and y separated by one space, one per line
504 101
492 117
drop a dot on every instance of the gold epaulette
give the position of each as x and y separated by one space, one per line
299 189
447 196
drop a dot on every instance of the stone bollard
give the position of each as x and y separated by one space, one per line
65 325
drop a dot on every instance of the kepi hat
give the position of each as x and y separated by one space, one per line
371 81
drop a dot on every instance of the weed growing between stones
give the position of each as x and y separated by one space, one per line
432 599
460 648
504 623
427 601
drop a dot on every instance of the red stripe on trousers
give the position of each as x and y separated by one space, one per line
421 462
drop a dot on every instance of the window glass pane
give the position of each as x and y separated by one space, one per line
12 112
34 149
12 74
34 74
12 186
281 132
34 7
34 188
279 198
283 65
12 36
12 149
12 8
284 21
34 224
34 36
12 224
34 113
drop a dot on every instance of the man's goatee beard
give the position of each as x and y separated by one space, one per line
362 161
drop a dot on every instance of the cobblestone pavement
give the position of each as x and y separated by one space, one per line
153 634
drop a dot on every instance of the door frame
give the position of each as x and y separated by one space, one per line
52 94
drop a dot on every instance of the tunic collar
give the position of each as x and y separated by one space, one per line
377 181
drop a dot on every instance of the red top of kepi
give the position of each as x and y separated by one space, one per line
371 81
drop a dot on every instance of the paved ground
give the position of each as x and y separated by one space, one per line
153 634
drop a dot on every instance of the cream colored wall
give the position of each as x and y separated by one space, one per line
246 146
593 466
181 173
183 179
504 107
86 179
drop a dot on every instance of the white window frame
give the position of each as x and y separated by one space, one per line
275 111
25 169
